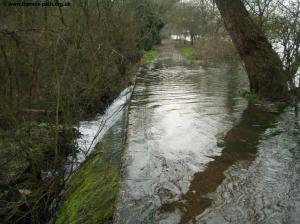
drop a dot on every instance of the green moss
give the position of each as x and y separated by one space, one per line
92 191
149 56
188 53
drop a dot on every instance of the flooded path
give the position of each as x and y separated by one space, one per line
196 153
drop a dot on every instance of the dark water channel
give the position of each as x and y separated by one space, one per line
197 153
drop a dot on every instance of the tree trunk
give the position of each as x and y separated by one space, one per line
192 38
264 67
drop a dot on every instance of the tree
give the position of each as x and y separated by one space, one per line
59 65
263 65
262 10
191 19
287 35
280 21
152 23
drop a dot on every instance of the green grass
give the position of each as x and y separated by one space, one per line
188 53
149 56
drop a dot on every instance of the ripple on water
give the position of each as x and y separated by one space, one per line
175 117
197 154
264 191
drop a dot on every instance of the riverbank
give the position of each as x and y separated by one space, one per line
29 159
211 50
92 191
189 53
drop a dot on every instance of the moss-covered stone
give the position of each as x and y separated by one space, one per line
92 191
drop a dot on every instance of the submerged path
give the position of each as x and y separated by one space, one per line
193 151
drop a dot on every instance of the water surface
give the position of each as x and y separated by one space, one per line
190 138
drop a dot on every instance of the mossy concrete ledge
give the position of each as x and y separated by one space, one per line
92 191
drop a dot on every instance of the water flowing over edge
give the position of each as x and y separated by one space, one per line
92 131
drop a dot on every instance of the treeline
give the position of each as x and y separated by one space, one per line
200 21
280 22
81 48
59 65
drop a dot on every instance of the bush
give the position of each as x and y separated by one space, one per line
215 48
58 66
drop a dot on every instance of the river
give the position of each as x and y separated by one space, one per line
196 152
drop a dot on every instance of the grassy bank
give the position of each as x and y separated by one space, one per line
212 49
149 57
189 53
215 49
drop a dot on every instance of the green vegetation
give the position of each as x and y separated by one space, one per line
202 23
92 191
216 49
250 96
208 41
59 66
189 54
24 155
149 57
148 11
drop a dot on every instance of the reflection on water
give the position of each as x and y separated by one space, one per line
266 190
240 144
190 140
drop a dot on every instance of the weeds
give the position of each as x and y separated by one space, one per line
149 57
215 48
250 96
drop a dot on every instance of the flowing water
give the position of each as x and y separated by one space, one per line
197 153
93 131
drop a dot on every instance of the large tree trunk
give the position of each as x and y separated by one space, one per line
264 67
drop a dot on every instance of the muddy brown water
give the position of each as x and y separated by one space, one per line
197 153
